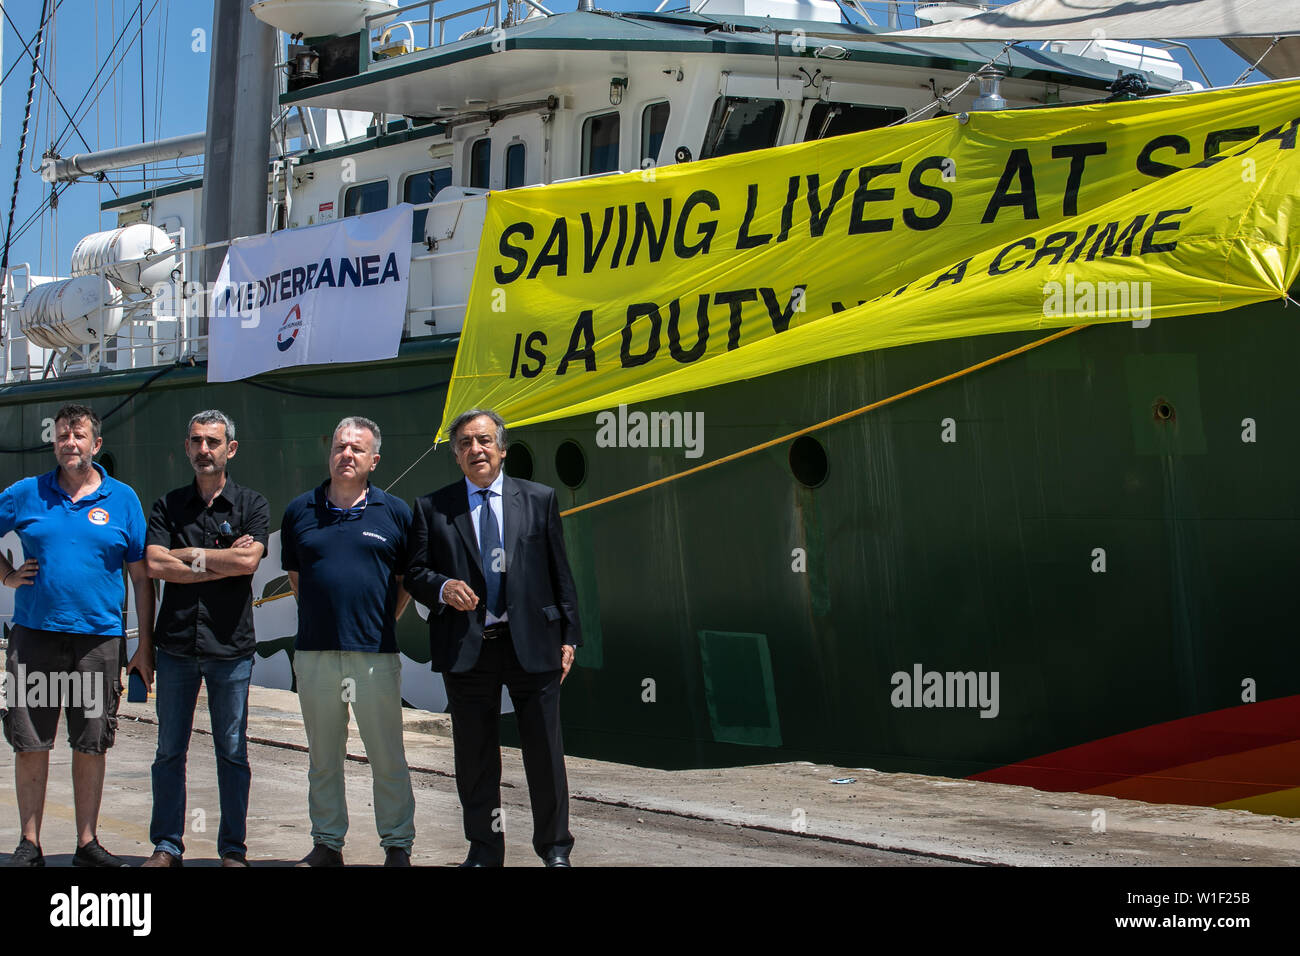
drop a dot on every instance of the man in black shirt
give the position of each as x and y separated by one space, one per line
205 540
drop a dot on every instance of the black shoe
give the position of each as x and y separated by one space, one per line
396 856
557 858
92 854
27 854
478 858
321 855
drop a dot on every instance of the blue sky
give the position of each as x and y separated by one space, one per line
84 34
174 94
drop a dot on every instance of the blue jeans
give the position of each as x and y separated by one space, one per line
177 690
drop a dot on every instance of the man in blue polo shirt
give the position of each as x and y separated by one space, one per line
343 547
78 529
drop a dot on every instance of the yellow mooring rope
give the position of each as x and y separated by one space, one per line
734 456
827 423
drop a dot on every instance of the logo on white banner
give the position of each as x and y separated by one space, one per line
289 329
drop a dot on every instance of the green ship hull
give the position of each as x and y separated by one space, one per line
1089 546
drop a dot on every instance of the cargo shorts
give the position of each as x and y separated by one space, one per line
46 671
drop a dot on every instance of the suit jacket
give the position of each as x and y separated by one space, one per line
541 600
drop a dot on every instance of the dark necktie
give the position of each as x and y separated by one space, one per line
493 558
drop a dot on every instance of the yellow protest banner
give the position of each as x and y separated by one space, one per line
596 293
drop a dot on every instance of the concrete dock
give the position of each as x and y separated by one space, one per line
775 815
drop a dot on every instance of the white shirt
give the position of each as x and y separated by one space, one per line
475 507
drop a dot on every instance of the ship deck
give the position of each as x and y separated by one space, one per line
782 814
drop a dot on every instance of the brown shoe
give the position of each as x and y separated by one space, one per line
321 855
396 856
163 858
234 859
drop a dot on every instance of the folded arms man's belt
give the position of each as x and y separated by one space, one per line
492 631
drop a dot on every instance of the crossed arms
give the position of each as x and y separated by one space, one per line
195 565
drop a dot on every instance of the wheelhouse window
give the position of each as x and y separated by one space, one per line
600 144
836 119
514 165
654 120
420 188
365 197
739 124
480 164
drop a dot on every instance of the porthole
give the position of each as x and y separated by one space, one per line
519 461
570 464
808 461
108 463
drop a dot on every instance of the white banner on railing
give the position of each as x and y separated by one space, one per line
329 293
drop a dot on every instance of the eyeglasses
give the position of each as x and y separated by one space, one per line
348 514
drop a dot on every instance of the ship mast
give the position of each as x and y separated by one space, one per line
241 90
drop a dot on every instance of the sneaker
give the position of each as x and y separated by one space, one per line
92 854
321 855
27 854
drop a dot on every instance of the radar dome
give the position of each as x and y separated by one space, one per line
320 18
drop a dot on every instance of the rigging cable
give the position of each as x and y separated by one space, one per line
944 100
284 590
160 74
99 140
111 412
22 143
76 110
1251 69
19 59
14 65
112 74
52 77
144 138
49 202
38 103
36 68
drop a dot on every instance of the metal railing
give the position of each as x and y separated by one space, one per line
166 325
431 29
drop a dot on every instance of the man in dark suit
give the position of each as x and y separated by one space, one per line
487 557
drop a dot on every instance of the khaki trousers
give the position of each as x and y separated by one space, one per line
328 683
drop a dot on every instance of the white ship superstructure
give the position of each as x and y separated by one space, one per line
436 103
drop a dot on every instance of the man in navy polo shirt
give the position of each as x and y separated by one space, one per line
78 529
343 547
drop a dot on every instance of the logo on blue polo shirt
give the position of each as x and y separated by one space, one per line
289 329
97 516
